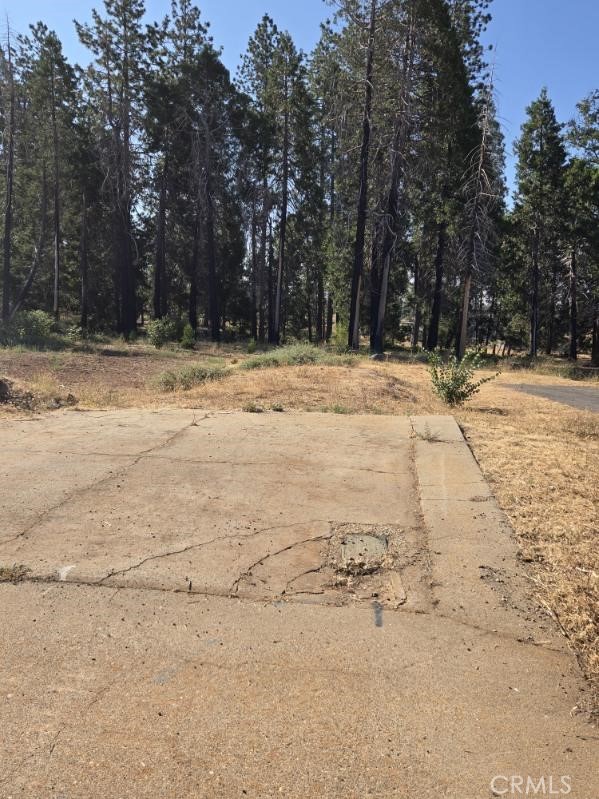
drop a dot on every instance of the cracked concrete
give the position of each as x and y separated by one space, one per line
183 629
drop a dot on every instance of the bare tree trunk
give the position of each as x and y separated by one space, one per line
462 340
550 345
270 282
329 322
56 303
418 306
10 171
84 263
193 276
262 319
37 252
595 344
160 302
573 306
534 311
358 266
276 337
391 218
255 278
433 330
125 227
477 216
210 246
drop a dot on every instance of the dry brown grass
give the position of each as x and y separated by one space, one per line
541 458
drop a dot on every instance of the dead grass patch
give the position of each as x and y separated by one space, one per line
14 573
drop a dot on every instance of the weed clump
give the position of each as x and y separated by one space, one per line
251 407
185 379
297 355
452 379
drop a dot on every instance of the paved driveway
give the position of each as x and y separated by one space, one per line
298 605
585 398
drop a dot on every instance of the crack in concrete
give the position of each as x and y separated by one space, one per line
314 570
187 548
168 554
248 572
261 600
97 483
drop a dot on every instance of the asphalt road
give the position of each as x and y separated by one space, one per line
583 397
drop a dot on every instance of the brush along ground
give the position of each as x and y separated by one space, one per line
541 458
163 638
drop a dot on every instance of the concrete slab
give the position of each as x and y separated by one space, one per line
188 627
204 502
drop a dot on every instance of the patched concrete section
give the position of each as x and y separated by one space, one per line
363 553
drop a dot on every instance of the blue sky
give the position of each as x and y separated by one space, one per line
539 43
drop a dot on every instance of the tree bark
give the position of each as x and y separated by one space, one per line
160 303
534 310
417 307
550 345
264 325
358 265
37 252
254 250
9 188
83 263
210 247
276 337
56 163
193 273
595 343
433 330
329 323
573 307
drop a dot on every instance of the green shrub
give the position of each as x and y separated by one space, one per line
29 327
185 379
167 381
452 380
161 331
188 338
34 324
252 346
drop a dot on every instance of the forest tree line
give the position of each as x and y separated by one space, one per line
361 183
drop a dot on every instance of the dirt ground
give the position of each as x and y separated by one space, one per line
541 458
